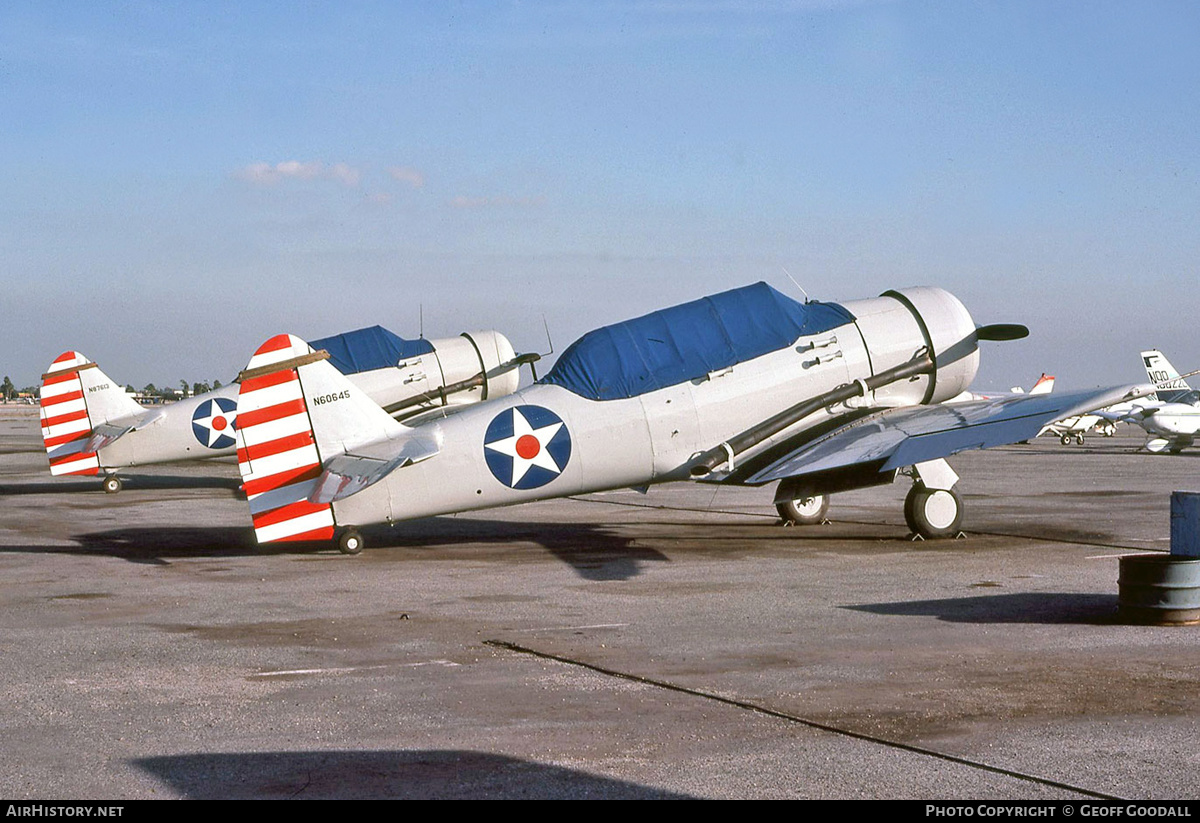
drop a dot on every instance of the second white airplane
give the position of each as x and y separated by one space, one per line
90 424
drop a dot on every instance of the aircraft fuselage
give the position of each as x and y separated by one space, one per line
545 441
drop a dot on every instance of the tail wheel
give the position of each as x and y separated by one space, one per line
804 511
933 513
112 484
350 542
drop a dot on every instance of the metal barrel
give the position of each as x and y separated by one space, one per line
1159 589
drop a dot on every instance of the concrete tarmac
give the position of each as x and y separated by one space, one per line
674 644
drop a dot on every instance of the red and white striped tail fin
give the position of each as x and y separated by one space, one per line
277 450
1044 385
66 425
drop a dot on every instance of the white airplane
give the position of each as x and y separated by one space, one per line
91 425
1171 417
1073 429
746 387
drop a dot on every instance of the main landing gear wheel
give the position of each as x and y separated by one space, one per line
112 484
1065 440
933 513
1079 439
804 511
350 542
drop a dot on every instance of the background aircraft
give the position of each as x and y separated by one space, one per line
1073 429
745 387
1171 416
90 424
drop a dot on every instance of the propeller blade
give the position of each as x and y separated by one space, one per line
1001 331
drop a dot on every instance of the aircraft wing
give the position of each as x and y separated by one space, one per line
1137 415
895 438
366 465
1128 414
105 434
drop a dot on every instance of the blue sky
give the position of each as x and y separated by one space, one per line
179 181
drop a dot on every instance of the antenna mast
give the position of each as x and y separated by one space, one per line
807 299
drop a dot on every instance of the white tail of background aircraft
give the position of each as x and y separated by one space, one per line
1163 375
1173 424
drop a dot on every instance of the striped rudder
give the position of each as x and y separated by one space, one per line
277 451
66 425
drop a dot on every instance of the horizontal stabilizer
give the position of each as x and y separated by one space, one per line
354 471
103 435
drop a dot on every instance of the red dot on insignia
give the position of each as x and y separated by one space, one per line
219 423
528 447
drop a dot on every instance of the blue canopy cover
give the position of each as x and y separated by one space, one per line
687 342
368 349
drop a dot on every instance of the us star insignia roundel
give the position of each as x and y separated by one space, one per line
213 422
527 446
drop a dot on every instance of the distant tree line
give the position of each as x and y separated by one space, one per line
151 390
9 391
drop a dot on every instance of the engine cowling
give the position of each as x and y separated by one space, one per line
896 325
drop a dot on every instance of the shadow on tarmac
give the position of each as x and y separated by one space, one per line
592 551
1052 608
411 775
133 483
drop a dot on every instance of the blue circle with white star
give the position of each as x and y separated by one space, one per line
213 422
526 447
